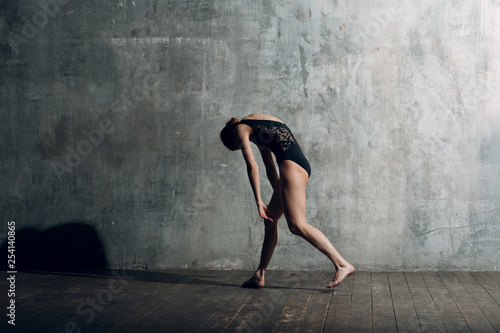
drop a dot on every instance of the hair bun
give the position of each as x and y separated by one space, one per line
232 121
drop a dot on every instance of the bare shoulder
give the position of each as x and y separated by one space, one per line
243 131
262 116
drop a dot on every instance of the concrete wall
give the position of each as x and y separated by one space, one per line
111 111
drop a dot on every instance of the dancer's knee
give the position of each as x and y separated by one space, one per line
296 229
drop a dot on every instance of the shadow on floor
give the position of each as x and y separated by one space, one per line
188 277
70 247
74 249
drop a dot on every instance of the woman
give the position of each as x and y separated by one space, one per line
272 136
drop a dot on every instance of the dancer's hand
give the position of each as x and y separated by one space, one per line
264 211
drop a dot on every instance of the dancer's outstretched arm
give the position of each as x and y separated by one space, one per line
253 177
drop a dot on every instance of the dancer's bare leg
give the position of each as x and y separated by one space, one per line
293 191
270 241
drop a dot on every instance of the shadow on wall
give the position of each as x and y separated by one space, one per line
71 247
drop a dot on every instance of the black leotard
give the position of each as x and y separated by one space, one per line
279 139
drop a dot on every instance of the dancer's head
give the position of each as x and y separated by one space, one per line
228 135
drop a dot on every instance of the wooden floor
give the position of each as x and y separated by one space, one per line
212 301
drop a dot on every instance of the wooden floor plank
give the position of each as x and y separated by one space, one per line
427 313
384 320
495 276
77 290
61 302
147 294
450 314
135 317
317 310
178 309
361 304
472 313
42 281
294 310
222 304
263 312
483 299
212 301
228 311
489 284
404 309
339 312
261 307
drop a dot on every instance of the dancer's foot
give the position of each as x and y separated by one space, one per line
342 273
256 281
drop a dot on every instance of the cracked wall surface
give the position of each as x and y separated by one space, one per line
111 113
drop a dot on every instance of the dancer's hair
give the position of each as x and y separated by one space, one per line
228 136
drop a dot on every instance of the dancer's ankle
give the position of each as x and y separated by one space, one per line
260 273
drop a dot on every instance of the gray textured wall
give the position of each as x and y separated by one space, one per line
111 110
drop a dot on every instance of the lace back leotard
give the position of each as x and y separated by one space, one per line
279 139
